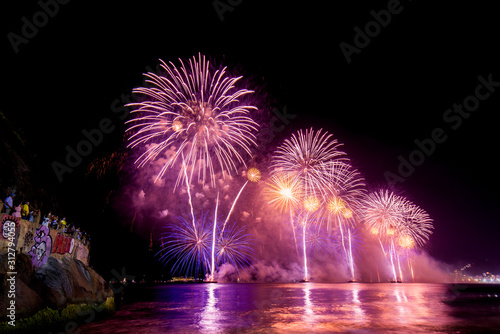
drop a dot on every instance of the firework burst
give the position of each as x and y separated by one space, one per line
235 247
392 216
253 174
397 222
196 112
188 245
283 192
310 174
346 188
308 155
383 213
417 225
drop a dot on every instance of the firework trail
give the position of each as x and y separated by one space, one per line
195 111
212 271
398 222
190 201
318 242
311 205
346 249
350 258
345 190
253 175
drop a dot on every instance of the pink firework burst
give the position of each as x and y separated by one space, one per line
308 156
192 117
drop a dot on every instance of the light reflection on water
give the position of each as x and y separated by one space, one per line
296 308
359 314
210 315
309 317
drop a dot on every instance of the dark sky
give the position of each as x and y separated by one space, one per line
65 77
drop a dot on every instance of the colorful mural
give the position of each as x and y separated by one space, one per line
7 226
63 244
39 242
41 249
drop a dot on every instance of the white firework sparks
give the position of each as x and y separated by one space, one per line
308 156
196 112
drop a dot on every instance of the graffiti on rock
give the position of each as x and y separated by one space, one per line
40 251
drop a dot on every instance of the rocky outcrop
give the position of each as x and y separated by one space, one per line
57 283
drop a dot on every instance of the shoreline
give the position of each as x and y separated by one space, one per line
67 319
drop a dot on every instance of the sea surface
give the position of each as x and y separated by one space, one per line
299 308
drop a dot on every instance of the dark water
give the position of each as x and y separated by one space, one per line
298 308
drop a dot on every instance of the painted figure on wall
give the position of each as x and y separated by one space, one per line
41 249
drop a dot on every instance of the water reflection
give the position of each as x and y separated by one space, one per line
359 314
400 295
308 305
210 315
401 304
297 308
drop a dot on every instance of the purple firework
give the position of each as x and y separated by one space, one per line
192 117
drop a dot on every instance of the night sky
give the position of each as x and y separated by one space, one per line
395 89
